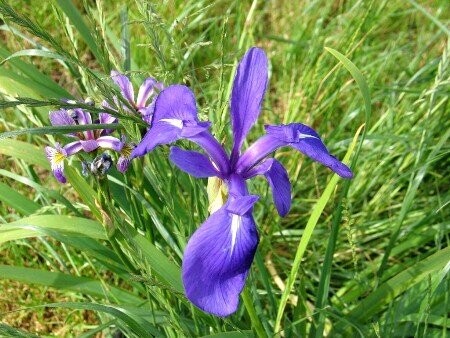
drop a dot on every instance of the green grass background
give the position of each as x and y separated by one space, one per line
376 262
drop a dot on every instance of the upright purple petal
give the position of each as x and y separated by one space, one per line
307 141
176 102
278 180
146 90
249 87
217 259
125 85
193 163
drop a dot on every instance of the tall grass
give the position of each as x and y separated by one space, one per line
367 257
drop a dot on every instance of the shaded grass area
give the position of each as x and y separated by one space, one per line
395 212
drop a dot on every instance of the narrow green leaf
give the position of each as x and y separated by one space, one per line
15 200
357 75
78 22
34 52
158 262
58 129
62 281
137 324
24 151
231 334
8 331
84 190
387 292
32 226
312 222
31 72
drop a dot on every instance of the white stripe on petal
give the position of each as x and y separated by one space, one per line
236 222
174 122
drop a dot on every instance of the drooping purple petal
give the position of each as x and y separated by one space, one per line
61 118
176 102
145 91
278 180
125 85
89 145
110 142
249 87
73 148
307 141
160 133
217 259
193 163
296 135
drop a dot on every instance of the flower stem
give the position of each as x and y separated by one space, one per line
256 323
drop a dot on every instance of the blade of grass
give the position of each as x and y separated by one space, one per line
17 201
85 32
62 281
312 222
325 276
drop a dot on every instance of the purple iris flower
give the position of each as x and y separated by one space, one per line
219 254
87 141
149 88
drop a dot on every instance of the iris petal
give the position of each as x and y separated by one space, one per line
307 141
145 91
193 163
278 180
217 259
176 102
125 85
60 118
160 133
249 87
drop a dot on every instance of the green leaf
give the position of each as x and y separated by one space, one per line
62 281
41 83
312 222
231 334
32 226
396 285
58 129
78 22
159 263
34 52
24 151
8 331
15 200
136 323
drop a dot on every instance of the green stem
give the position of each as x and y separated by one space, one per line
256 323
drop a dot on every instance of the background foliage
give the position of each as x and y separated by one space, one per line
376 261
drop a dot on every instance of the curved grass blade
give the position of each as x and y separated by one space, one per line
17 201
24 151
77 21
27 227
58 129
62 281
312 222
401 282
34 52
8 331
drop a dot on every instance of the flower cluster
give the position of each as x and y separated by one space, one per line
91 140
219 254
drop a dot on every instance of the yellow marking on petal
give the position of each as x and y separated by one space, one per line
58 158
126 150
217 194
